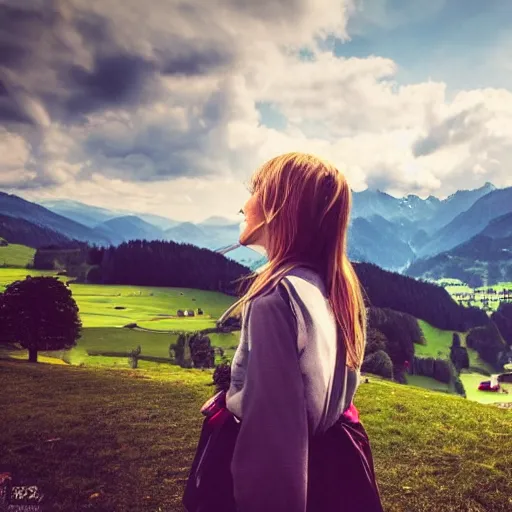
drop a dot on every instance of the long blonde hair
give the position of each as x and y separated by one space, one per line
306 203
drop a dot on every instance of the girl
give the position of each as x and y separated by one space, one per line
300 446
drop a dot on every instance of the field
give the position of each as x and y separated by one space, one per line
16 255
421 381
148 307
481 298
471 382
439 343
109 439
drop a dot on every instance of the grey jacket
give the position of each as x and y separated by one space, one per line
286 383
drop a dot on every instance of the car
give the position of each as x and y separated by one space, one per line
485 385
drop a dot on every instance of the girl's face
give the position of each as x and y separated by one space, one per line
253 217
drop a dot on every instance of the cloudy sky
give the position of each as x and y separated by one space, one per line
168 106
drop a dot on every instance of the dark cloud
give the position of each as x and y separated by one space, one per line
114 80
48 50
20 30
10 112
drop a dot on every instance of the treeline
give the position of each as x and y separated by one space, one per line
420 299
159 263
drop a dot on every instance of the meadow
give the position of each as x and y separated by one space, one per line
112 439
98 435
15 255
148 307
151 307
481 299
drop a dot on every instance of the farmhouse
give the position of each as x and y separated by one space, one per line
189 312
180 312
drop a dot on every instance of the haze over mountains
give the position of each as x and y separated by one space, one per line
394 233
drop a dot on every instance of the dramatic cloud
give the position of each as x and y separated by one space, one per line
143 96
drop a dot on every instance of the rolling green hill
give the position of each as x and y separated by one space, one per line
15 255
439 343
148 307
125 439
155 308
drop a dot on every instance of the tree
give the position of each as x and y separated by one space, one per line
503 320
40 314
375 340
201 351
378 363
458 354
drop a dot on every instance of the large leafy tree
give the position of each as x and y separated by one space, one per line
39 313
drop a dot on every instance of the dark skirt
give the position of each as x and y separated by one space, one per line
341 475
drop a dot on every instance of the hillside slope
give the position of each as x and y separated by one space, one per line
136 441
21 231
15 206
480 260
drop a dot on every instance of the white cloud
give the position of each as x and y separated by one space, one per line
187 134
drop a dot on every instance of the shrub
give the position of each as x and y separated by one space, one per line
378 363
222 377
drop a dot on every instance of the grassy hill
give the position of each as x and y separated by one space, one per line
125 439
15 255
439 343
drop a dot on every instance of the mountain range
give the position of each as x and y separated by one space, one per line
411 235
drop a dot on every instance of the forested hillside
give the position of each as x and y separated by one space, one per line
165 264
423 300
21 231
